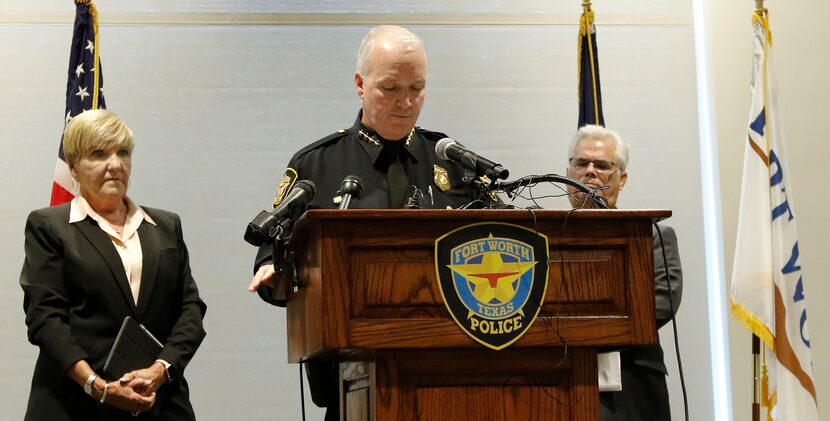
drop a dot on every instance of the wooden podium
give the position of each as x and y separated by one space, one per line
371 301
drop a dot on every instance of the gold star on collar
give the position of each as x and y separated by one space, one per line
373 140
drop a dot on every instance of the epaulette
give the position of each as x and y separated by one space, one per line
430 135
334 137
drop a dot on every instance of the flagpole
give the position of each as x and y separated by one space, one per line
756 372
756 341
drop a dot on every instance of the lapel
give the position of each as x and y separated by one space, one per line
102 243
148 235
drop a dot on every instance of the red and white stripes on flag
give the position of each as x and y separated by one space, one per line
768 294
63 186
83 88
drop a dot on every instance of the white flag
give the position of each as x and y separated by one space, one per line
768 293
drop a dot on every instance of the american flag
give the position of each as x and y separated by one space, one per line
84 88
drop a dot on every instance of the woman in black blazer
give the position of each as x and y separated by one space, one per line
89 264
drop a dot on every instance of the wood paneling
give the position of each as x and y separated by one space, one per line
382 291
370 298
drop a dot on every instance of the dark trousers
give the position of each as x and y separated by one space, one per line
324 384
644 396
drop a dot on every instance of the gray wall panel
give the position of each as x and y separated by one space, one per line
640 8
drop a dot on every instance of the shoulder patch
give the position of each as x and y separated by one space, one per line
287 182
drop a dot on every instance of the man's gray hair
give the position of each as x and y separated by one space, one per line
591 131
378 32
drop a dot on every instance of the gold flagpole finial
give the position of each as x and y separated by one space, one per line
760 10
759 7
586 5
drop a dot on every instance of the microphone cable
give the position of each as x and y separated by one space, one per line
674 324
511 186
302 391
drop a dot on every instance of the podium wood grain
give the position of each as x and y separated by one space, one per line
370 299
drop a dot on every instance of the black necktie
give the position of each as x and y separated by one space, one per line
396 177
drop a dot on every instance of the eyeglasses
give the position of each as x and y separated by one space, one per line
600 165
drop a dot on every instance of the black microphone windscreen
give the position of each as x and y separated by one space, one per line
307 186
267 225
352 184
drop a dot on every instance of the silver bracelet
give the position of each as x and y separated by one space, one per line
88 384
104 395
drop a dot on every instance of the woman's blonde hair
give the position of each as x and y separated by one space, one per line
94 129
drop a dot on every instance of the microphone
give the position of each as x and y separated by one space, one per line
350 189
268 225
451 150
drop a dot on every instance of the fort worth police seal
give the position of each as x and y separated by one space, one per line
493 278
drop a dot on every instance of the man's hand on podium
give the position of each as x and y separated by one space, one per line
264 276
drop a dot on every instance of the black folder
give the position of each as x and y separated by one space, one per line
134 348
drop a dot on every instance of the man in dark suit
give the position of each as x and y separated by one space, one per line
636 386
86 270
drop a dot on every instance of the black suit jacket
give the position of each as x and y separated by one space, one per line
76 296
644 394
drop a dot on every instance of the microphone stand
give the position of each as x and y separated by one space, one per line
486 193
284 256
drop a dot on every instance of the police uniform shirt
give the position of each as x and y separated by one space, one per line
360 151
